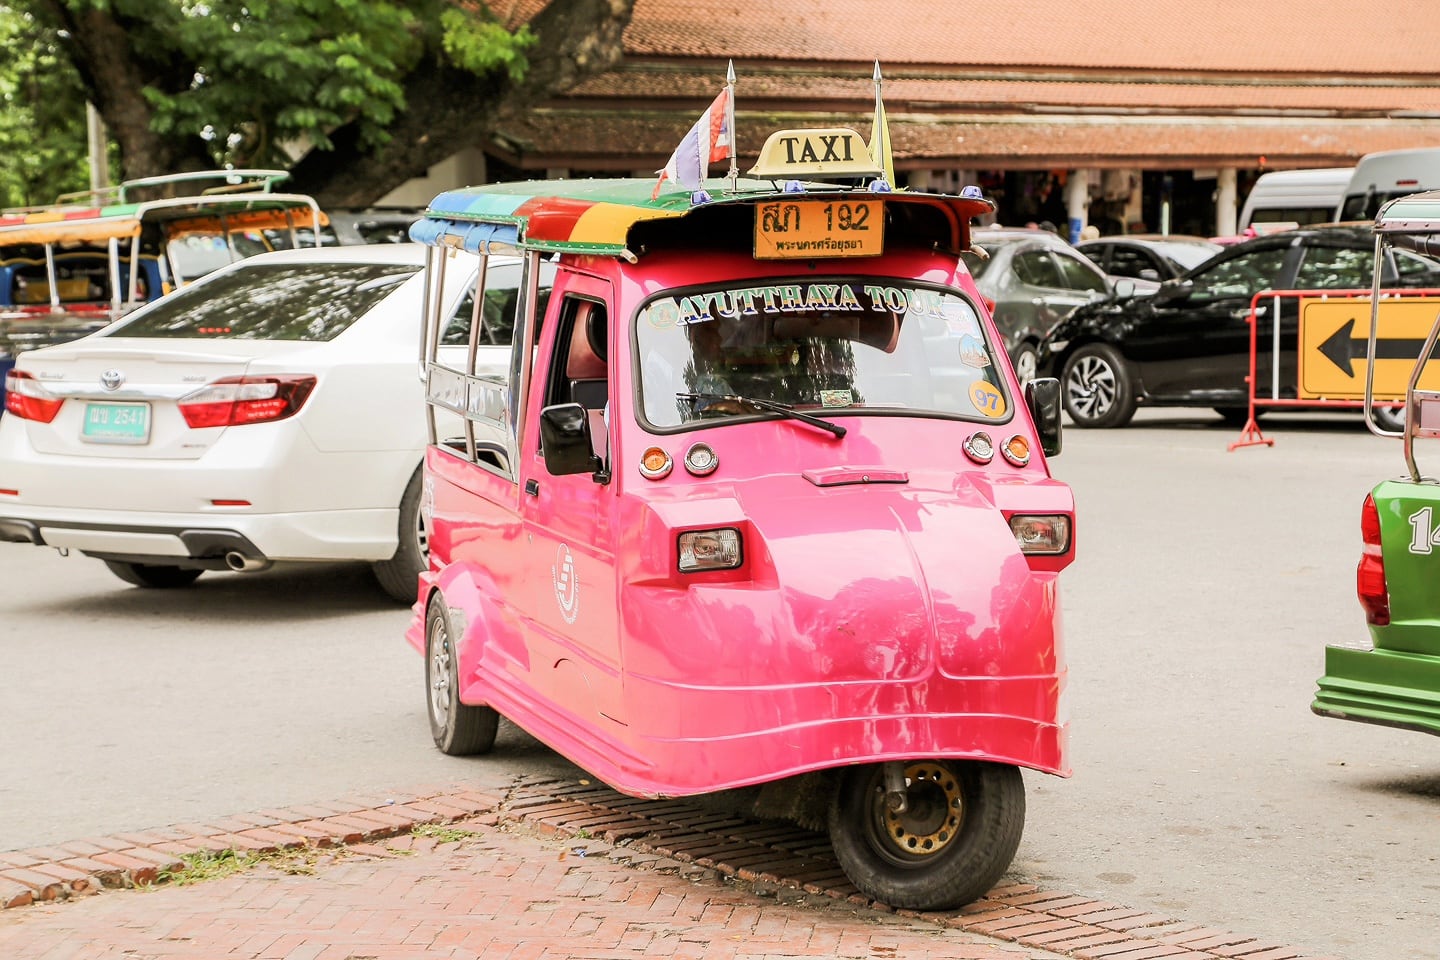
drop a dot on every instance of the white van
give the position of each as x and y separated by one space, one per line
1380 177
1297 197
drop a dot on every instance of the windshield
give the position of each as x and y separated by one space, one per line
1364 206
833 345
272 301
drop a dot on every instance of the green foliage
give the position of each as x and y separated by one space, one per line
266 74
481 46
42 116
248 82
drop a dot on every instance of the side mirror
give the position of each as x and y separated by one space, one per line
565 440
1174 290
1124 289
1042 396
1150 273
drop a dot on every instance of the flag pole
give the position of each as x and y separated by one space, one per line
734 173
880 135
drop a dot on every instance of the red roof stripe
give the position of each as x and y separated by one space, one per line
551 218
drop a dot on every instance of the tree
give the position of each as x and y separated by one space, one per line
354 97
42 116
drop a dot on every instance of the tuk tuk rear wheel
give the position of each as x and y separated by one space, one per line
459 729
957 834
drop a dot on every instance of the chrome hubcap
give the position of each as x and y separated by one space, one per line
1025 366
1092 387
439 672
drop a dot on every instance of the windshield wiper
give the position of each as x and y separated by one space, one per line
784 409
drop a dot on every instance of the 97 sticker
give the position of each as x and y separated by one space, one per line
988 399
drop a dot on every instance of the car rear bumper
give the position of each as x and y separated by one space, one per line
1378 686
219 542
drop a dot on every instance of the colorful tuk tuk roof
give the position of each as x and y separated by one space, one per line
595 216
114 213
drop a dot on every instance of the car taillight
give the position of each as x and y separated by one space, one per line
27 399
989 304
1370 575
232 401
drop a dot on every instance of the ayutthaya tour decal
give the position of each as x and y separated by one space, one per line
786 298
950 321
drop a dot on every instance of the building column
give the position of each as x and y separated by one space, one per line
1225 212
1077 202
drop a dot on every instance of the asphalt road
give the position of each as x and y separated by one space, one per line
1207 587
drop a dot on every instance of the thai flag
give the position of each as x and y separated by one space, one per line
709 141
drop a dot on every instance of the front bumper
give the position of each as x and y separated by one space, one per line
1377 686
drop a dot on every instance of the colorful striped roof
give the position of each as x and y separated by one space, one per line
595 216
121 220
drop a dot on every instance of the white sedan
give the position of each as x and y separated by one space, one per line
272 411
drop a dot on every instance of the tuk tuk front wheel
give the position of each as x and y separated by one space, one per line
955 835
459 729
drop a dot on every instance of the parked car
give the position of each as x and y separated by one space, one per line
1188 345
1031 280
271 411
1148 256
70 268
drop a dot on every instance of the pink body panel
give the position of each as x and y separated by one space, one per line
869 621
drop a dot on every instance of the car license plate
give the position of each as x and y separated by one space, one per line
116 423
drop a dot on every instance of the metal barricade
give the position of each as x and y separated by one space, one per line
1250 434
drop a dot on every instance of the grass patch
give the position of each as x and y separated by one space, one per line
205 865
440 834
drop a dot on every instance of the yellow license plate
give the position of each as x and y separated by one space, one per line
806 229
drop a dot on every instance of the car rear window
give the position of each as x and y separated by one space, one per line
279 301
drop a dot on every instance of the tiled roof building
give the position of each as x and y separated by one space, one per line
1149 100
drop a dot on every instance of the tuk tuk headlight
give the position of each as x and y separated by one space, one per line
709 550
1045 535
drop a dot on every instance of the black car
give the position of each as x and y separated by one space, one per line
1148 256
1188 344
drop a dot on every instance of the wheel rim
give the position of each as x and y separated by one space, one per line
930 823
422 534
1092 387
1025 365
439 672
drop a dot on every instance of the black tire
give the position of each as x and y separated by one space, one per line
1389 418
156 576
1096 387
399 576
957 836
1026 361
459 729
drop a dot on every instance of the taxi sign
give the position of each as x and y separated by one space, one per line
815 152
839 227
1334 337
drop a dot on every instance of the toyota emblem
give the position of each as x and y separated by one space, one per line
111 379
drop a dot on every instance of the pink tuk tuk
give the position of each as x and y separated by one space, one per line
759 508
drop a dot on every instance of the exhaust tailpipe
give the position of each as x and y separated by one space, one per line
240 563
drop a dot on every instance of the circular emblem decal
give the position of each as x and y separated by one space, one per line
112 379
566 583
987 399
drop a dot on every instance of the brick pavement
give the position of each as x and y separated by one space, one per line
544 870
491 895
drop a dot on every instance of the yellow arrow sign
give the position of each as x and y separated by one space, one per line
1333 341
